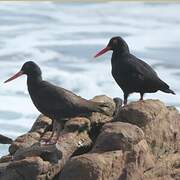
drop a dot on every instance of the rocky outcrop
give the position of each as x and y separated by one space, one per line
160 124
120 152
139 141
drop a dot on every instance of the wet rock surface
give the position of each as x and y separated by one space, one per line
140 141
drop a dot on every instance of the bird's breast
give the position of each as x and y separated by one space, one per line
122 76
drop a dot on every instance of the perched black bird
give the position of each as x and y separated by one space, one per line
131 73
53 101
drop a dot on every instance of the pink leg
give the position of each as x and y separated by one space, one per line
141 96
56 128
125 98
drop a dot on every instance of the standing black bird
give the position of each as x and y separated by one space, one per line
131 73
53 101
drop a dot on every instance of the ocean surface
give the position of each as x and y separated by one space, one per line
63 38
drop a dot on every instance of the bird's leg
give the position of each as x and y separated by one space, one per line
52 134
53 130
125 98
57 127
141 96
58 132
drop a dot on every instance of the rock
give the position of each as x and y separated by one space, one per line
137 162
67 144
94 166
6 158
78 124
41 124
48 153
3 166
119 153
167 166
141 142
110 104
26 169
118 136
160 124
24 141
99 118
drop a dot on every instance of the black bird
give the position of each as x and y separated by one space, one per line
131 73
53 101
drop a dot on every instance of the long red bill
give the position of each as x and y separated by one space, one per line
102 51
14 77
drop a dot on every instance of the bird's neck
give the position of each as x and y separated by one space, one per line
119 53
117 59
33 81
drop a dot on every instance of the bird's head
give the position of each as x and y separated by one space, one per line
115 44
29 68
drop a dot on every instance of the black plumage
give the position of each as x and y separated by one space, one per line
131 73
53 101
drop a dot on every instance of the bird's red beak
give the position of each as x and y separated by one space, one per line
102 51
20 73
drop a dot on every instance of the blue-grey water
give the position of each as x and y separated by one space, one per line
63 38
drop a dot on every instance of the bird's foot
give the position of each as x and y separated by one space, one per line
125 102
12 158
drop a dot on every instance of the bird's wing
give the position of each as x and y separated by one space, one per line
143 72
59 98
140 68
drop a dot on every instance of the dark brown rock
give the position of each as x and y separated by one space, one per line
167 166
137 162
67 145
6 158
110 104
119 151
77 124
24 141
99 118
3 166
46 152
26 169
160 124
41 124
118 136
94 166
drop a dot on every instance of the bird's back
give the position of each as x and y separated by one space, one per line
134 75
57 102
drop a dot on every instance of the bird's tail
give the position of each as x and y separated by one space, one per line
168 91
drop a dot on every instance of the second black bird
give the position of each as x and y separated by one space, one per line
131 73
